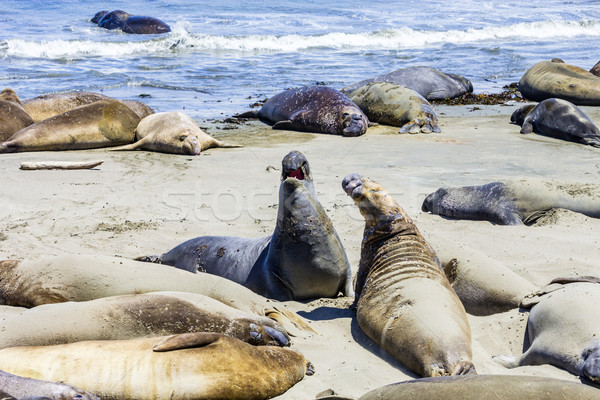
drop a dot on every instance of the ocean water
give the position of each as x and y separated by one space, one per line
221 56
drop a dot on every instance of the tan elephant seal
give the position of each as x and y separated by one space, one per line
71 277
18 387
484 387
13 116
51 104
548 79
186 366
136 315
563 329
172 132
404 301
513 202
103 123
391 104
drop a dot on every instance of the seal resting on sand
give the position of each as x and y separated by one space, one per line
13 116
185 366
172 132
484 387
119 19
404 301
312 109
302 259
563 328
19 387
559 119
513 202
103 123
391 104
428 82
555 78
137 315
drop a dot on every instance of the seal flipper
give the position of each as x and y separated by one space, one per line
186 341
526 128
132 146
248 114
289 124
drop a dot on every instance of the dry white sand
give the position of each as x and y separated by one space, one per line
139 203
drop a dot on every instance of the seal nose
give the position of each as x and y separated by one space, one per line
351 182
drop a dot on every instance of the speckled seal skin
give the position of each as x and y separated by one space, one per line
404 301
302 259
319 109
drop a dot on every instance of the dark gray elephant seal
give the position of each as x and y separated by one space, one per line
391 104
404 301
196 365
484 387
563 329
119 19
13 116
559 119
548 79
428 82
20 387
312 109
104 123
513 202
302 259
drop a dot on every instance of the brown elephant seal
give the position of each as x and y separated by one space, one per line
19 387
51 104
563 329
70 277
137 315
172 132
318 109
404 301
103 123
428 82
559 119
548 79
141 109
484 387
302 259
391 104
13 116
513 202
137 24
484 285
187 366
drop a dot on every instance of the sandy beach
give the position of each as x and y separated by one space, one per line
142 203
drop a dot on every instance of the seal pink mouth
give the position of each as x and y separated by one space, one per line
297 173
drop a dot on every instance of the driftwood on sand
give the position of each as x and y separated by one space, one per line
60 165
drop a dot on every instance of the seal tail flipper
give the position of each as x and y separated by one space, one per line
291 321
507 361
574 279
248 114
591 141
464 368
186 341
410 127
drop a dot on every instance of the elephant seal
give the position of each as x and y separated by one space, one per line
137 315
548 79
513 202
119 19
391 104
596 69
559 119
51 104
563 329
141 109
428 82
186 366
318 109
13 116
103 123
70 277
172 132
484 387
404 301
21 387
302 259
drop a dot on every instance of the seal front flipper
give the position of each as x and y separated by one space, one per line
526 128
248 114
186 341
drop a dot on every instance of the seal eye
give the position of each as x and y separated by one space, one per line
345 115
182 138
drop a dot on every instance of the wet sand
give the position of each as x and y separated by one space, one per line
141 203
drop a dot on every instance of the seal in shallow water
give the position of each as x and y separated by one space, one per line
559 119
312 109
513 202
119 19
302 259
404 301
186 366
